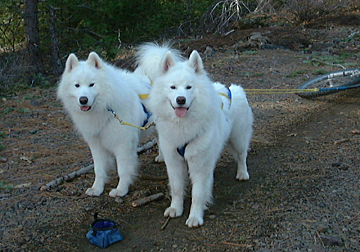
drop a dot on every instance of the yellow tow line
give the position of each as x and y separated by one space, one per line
279 91
248 91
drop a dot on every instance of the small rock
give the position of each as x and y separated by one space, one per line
35 103
340 166
212 217
330 240
32 132
119 200
336 164
3 160
208 51
322 228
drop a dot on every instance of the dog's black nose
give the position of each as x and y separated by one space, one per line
180 100
83 100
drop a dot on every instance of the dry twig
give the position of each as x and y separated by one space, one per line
147 199
341 141
236 244
165 224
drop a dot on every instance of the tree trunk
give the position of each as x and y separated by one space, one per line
32 38
55 49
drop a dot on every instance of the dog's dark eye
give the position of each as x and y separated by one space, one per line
189 87
173 87
92 84
77 85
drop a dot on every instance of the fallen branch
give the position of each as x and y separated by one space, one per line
68 177
54 183
148 199
146 146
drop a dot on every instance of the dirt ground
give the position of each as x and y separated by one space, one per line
303 192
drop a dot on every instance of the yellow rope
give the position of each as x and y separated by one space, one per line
279 91
142 97
129 124
248 91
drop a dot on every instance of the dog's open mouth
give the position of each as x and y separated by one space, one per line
180 111
85 108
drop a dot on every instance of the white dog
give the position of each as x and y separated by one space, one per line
88 89
195 118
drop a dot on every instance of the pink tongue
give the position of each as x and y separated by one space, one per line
85 108
180 112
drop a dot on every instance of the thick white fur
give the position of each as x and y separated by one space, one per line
210 123
111 144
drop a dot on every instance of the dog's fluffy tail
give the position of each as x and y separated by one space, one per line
149 56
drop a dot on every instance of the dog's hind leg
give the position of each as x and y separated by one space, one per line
238 147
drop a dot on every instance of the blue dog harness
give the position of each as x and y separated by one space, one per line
148 114
181 150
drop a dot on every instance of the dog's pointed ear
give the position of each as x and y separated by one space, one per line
94 60
167 62
71 62
196 63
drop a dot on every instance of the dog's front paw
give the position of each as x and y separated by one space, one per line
117 193
242 175
194 222
94 191
173 212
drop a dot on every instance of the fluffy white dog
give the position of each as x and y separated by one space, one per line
87 90
195 118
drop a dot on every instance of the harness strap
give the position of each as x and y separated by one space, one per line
181 150
133 125
228 96
148 115
143 96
